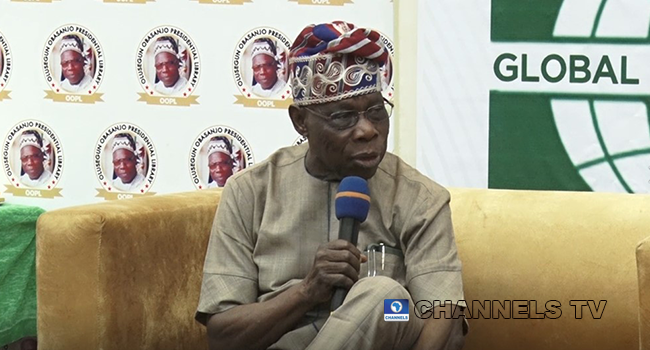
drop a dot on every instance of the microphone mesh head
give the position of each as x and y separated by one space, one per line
353 199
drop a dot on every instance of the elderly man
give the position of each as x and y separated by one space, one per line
167 63
220 162
125 160
265 68
73 62
274 259
31 160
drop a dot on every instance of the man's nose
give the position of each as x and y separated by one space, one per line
364 129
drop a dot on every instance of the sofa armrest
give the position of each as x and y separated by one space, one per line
123 274
643 269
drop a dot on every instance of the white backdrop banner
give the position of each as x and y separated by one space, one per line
114 99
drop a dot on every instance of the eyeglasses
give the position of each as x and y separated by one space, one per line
72 62
346 119
168 64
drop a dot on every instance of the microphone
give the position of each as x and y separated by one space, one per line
352 204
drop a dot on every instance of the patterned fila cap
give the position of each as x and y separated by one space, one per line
334 61
164 46
70 44
219 145
29 139
123 142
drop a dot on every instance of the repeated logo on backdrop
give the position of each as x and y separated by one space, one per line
32 160
5 67
168 67
106 78
125 162
216 154
260 68
73 65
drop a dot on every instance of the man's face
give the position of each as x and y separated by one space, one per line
31 159
167 68
354 151
264 70
124 162
220 167
72 66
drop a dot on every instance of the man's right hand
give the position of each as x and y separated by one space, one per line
336 264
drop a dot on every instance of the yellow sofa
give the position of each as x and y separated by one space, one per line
126 274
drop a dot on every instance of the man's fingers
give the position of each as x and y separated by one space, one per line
341 244
341 256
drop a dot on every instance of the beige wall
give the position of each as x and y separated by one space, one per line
405 87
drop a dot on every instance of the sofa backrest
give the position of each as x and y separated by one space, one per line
541 246
127 274
123 274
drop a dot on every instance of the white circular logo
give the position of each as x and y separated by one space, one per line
167 63
73 61
125 159
32 156
218 153
396 306
260 64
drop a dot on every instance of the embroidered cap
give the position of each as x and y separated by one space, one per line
334 61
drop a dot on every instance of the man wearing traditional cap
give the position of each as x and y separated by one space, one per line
220 161
73 63
32 160
274 259
167 64
265 68
125 161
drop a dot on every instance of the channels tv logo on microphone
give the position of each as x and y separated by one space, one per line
396 310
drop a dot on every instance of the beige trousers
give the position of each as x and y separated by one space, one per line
358 323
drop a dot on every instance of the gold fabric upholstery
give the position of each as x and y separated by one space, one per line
643 264
126 274
534 245
123 274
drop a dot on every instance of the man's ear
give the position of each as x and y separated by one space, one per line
297 116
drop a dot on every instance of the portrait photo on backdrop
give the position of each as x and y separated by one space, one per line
77 63
36 159
129 163
268 68
279 264
224 158
171 65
